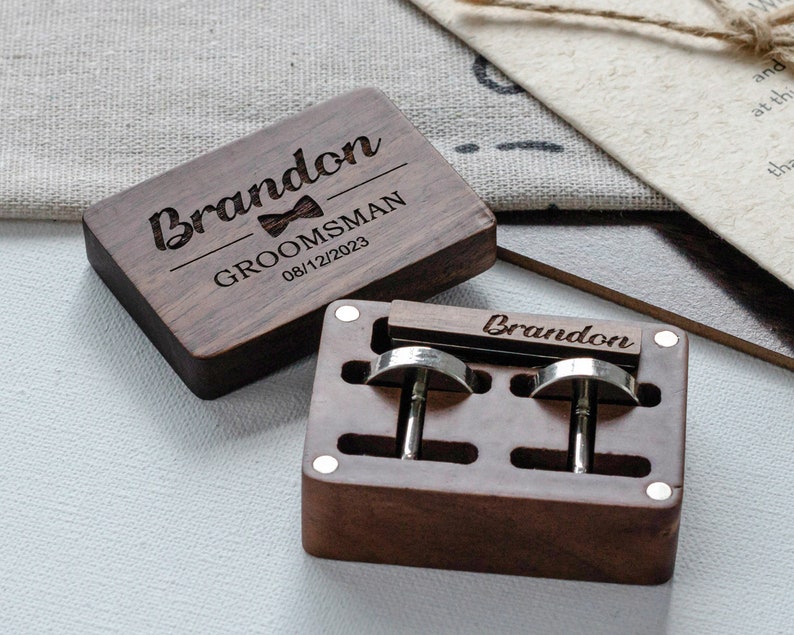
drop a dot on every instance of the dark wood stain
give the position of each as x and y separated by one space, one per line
542 337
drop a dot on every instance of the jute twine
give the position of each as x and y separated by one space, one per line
765 35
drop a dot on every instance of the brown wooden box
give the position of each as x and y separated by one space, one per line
227 262
491 493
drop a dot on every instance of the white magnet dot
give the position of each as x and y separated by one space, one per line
665 339
347 313
659 491
325 464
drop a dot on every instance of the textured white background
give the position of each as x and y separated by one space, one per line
128 505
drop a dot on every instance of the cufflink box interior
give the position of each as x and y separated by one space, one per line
227 262
491 491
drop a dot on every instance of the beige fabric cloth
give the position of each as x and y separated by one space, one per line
98 95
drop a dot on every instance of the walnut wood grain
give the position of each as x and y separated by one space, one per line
227 262
540 336
495 497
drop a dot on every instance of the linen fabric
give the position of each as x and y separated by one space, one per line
97 95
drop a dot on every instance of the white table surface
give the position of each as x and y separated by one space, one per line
129 505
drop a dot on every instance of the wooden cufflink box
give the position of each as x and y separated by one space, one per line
548 446
228 261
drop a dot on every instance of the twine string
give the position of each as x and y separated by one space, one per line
766 35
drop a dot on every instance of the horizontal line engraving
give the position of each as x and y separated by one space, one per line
185 264
367 181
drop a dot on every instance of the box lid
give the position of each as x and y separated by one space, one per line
227 261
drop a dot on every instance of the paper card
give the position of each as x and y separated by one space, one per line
709 127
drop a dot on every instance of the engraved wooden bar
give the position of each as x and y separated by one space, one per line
542 336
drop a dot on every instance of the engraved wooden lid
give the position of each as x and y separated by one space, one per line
227 261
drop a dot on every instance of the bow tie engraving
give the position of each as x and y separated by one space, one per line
275 224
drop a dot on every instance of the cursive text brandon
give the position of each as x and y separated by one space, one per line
230 207
499 324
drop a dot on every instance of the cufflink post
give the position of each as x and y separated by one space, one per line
583 377
419 369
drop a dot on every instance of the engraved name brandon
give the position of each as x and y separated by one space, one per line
229 207
500 325
293 251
